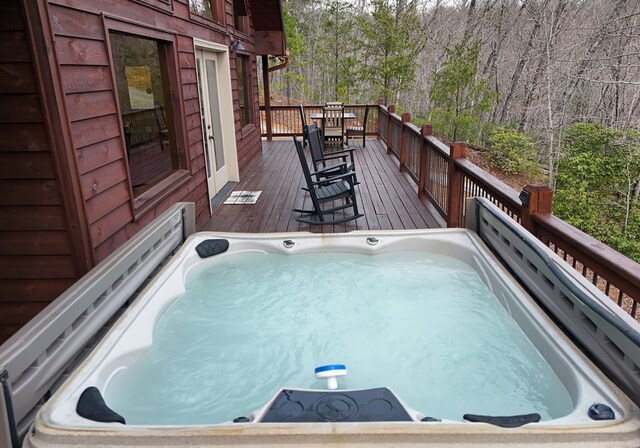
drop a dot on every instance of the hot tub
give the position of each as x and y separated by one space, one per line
594 411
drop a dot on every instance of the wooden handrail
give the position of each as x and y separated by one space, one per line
437 145
603 260
284 120
507 195
596 261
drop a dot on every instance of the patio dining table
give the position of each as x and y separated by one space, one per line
347 116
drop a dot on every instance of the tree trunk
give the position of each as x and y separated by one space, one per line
515 79
543 62
592 46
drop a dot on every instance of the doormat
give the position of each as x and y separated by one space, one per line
243 197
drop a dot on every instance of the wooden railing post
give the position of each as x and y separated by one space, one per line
392 110
267 97
455 183
423 168
378 131
535 199
406 117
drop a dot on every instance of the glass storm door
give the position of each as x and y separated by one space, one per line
207 68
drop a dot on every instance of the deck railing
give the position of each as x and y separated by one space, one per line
445 178
286 120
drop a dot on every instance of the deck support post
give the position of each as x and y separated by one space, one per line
378 130
425 131
392 110
267 96
535 199
406 117
455 193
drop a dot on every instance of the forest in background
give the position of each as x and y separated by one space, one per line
545 85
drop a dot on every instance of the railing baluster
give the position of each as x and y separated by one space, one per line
620 297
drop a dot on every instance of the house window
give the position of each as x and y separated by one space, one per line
142 79
240 16
209 9
244 90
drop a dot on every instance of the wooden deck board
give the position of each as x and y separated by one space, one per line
386 196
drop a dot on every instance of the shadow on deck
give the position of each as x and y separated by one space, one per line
386 196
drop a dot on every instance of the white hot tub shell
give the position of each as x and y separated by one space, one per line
58 424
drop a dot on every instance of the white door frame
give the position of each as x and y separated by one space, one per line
228 137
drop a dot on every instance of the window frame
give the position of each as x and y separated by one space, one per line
246 87
160 5
217 23
241 17
147 200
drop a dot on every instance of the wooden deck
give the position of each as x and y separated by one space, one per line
386 196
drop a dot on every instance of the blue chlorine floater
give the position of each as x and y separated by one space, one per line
331 372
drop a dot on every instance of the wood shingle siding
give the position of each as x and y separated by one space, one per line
82 53
17 78
35 251
66 188
94 156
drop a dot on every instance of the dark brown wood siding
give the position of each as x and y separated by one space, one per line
36 260
66 200
248 138
80 37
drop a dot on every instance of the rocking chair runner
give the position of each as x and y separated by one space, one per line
338 187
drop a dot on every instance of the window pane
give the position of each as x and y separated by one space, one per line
203 8
141 77
240 16
244 97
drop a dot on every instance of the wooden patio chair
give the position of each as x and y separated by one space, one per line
327 163
340 187
333 126
359 130
303 120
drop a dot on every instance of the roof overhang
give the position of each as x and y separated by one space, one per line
268 23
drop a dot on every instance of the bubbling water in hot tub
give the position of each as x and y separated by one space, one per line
250 323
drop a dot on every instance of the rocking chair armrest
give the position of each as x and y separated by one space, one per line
348 176
349 150
341 166
346 152
332 157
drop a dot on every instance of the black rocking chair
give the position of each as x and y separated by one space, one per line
333 125
359 130
303 119
327 162
340 186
